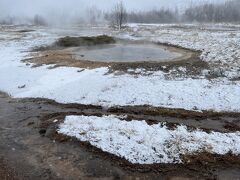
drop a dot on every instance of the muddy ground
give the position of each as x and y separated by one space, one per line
30 148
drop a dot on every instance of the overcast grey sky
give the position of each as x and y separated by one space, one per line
30 7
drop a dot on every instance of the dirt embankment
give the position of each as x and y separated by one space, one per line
30 148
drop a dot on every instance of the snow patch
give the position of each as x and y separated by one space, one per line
141 143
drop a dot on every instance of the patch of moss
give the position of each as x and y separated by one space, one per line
84 41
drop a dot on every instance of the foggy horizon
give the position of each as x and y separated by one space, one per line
28 8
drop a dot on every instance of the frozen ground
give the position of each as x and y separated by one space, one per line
141 143
68 85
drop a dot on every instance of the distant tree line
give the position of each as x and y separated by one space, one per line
225 12
7 20
118 16
154 16
39 21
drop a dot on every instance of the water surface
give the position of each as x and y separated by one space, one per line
126 53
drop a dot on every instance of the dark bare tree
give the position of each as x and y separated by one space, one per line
119 15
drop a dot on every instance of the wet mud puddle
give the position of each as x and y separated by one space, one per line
123 52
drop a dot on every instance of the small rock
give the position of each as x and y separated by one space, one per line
81 70
42 131
21 87
50 131
30 123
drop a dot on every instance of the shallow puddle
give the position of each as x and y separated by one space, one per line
126 53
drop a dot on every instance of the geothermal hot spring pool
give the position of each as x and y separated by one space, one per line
126 53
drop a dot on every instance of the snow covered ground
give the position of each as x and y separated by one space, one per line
141 143
219 43
68 85
135 141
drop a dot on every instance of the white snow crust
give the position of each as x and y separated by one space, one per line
141 143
